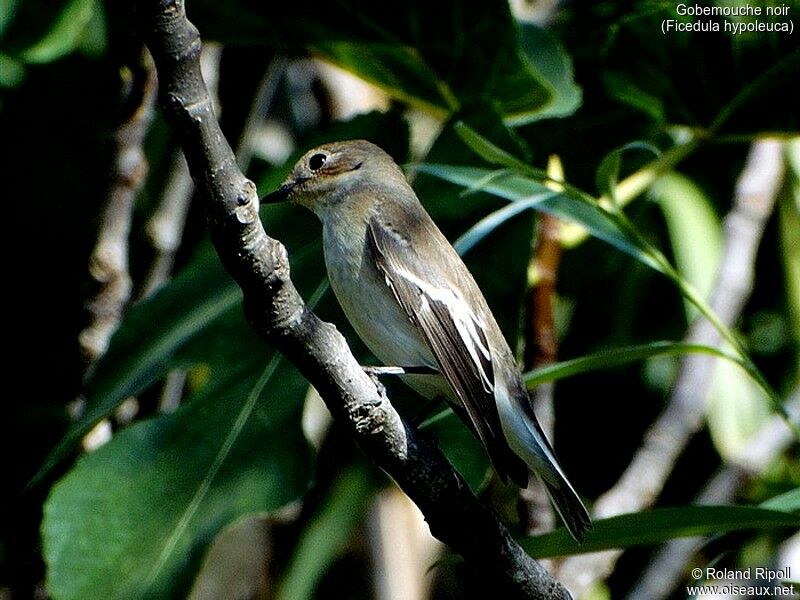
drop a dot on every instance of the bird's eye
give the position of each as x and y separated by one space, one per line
315 162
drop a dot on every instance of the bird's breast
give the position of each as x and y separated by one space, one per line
368 301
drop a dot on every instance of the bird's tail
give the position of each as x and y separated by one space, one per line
528 441
569 507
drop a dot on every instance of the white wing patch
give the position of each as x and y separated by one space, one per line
470 328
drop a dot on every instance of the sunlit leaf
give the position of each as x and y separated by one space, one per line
613 357
515 187
546 54
609 169
694 229
786 502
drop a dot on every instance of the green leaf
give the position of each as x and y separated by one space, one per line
12 72
737 409
140 354
657 526
442 56
470 238
134 518
489 151
618 356
787 502
549 58
8 9
65 34
623 88
326 535
695 232
607 174
514 187
94 38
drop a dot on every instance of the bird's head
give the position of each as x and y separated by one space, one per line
327 175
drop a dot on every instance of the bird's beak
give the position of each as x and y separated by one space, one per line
279 195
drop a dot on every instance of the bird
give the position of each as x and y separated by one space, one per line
414 303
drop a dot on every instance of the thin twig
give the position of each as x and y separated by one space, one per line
108 263
276 311
665 440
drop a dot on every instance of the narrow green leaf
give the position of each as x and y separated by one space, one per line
488 151
133 518
607 174
326 535
514 187
618 356
549 58
657 526
784 71
65 34
623 88
470 238
787 502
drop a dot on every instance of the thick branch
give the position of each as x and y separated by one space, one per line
273 306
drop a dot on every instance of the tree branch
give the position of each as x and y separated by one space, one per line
276 311
108 264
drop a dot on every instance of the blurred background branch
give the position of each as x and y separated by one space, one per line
644 478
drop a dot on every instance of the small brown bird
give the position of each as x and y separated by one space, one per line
413 302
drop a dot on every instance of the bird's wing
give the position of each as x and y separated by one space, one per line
454 333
